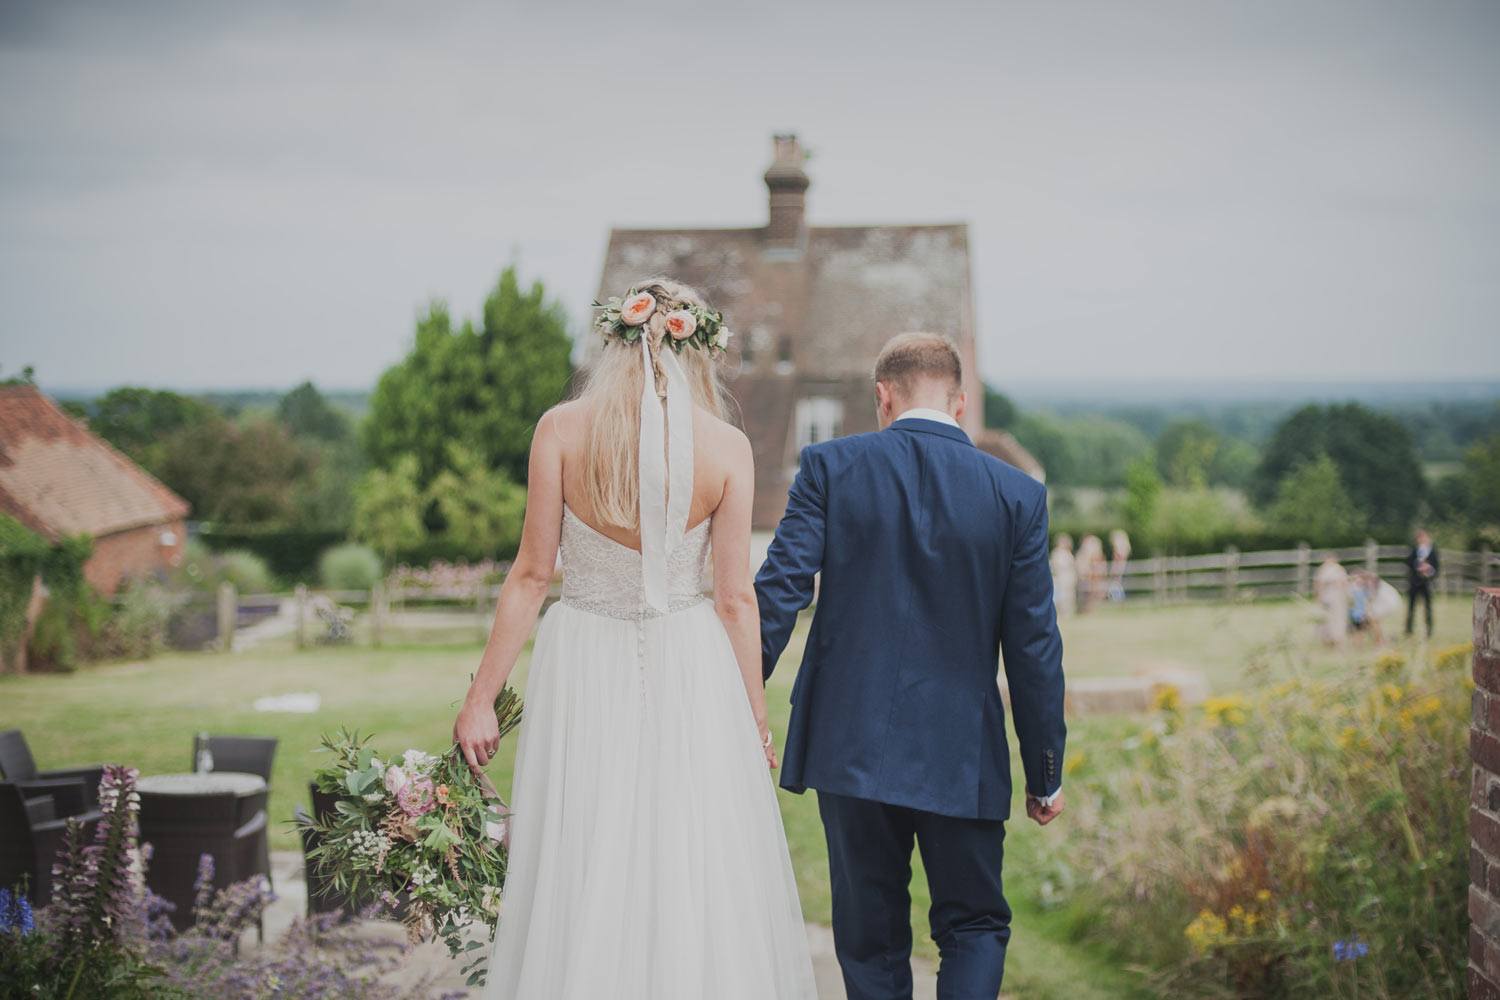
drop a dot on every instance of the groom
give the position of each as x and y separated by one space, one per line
933 558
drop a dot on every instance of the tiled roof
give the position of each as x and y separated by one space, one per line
58 478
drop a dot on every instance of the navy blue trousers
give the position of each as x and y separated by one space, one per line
869 864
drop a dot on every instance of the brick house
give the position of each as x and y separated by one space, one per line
811 307
59 479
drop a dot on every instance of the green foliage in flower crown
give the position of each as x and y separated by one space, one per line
429 850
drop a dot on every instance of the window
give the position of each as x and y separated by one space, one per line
819 418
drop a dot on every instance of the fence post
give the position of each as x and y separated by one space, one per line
228 611
300 596
1304 569
1231 573
377 611
1372 556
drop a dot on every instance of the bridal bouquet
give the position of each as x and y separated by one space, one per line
417 832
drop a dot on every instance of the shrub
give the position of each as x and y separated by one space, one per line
1303 840
246 570
349 567
139 626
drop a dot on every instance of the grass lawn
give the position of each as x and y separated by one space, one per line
146 714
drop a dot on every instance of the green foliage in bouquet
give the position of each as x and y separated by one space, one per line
418 832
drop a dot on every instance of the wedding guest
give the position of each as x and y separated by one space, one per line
1383 602
1421 570
1331 588
1064 576
1091 571
1119 552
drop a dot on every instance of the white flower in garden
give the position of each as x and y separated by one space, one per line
637 309
681 324
395 779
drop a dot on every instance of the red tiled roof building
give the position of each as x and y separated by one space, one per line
59 479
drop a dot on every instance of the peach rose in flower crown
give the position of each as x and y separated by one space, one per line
637 309
681 324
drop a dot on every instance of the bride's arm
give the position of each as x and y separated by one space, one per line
734 592
521 595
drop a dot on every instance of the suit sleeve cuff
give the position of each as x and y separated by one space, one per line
1047 800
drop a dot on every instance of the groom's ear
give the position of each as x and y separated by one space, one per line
883 401
963 403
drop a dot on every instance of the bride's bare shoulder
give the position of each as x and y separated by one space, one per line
720 437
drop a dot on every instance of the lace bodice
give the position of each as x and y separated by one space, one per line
602 576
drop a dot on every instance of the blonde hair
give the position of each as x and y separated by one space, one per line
612 392
910 356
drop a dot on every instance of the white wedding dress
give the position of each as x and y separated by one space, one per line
647 855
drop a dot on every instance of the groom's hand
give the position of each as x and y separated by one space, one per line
1044 814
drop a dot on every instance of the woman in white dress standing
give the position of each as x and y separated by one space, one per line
647 854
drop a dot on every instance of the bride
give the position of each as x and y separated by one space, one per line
647 855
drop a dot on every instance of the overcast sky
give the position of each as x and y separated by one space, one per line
248 194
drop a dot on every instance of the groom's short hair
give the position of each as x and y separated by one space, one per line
910 357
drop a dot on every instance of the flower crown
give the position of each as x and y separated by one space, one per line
682 323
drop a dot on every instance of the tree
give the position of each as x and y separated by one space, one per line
1142 495
138 420
237 474
482 509
388 507
1311 503
1376 459
484 387
999 410
1185 452
307 413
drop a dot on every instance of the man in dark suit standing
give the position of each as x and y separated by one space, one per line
1421 570
934 560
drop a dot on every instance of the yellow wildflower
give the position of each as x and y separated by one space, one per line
1229 710
1453 657
1074 762
1207 931
1263 896
1166 698
1392 693
1390 665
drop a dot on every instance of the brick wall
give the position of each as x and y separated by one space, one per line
138 552
1484 803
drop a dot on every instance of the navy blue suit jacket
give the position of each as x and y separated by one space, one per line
934 559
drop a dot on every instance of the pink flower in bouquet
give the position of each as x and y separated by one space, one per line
417 797
637 309
395 779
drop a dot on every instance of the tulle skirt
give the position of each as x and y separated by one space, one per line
648 859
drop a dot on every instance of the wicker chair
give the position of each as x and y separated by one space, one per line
247 755
17 765
31 832
183 828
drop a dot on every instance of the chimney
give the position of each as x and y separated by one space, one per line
787 182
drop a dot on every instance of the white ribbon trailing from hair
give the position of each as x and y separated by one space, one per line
666 452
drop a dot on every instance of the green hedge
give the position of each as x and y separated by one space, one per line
290 553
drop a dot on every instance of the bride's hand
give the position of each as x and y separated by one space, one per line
768 745
477 733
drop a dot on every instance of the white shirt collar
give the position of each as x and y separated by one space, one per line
923 413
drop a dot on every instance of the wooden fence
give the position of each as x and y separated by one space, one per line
1233 575
1221 576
